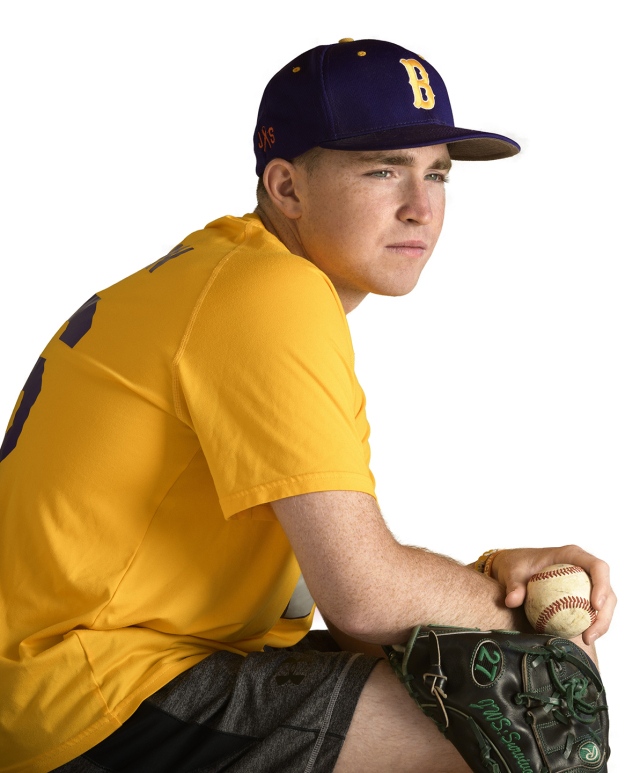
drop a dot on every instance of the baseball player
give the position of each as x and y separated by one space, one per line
186 475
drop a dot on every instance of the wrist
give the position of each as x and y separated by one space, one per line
484 563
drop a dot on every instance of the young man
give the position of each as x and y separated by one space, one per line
187 470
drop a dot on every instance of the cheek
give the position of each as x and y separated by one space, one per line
338 226
440 208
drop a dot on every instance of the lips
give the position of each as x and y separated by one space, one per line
410 248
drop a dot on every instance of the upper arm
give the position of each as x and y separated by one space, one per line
269 387
342 544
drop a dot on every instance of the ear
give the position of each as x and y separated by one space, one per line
281 181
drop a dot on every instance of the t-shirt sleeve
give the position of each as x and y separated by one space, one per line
267 376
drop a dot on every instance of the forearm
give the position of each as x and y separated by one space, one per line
477 602
416 586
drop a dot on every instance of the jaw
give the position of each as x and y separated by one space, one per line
393 282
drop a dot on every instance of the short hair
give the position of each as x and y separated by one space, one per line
308 160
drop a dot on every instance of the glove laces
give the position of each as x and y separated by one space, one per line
568 700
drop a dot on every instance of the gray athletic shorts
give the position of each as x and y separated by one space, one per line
278 711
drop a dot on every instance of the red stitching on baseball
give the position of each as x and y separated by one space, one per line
566 602
557 573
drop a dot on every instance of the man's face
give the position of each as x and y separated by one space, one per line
370 220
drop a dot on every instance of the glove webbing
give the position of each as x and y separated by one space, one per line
567 702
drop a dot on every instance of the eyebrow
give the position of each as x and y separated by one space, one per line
401 159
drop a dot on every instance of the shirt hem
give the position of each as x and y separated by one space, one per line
105 726
293 486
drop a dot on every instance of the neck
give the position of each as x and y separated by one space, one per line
284 230
281 228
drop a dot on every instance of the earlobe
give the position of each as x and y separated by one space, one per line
280 178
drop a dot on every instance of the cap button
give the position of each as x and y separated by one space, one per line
346 40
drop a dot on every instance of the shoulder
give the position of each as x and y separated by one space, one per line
261 278
263 302
262 257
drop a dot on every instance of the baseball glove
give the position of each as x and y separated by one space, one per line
510 702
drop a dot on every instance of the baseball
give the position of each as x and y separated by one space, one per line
558 601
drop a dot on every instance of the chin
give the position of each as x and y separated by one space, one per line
396 290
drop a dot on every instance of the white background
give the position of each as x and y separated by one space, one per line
503 392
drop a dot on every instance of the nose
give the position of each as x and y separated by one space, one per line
416 205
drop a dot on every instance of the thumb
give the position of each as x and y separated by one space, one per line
515 595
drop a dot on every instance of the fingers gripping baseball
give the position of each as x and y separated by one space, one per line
515 567
558 601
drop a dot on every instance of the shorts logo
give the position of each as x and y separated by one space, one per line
266 138
423 96
290 676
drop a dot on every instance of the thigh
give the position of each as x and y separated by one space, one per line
390 732
280 711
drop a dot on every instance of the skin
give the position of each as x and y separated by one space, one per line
370 221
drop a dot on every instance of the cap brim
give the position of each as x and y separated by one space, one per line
465 144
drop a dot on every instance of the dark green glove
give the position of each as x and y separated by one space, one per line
510 702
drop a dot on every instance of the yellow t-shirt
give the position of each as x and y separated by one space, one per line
136 535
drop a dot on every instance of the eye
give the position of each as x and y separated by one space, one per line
437 177
381 174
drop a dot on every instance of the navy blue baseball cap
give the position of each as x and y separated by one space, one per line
363 95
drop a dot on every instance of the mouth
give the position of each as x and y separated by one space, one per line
410 248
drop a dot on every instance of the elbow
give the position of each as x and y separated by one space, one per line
360 620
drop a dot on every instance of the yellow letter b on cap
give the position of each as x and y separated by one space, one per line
423 95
